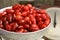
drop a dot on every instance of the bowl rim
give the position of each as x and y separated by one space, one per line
23 33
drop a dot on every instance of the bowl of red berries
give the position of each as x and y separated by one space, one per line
23 22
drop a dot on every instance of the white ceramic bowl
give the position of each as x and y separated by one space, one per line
23 36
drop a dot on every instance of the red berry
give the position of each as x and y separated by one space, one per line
1 26
29 5
40 23
38 15
44 16
9 17
4 13
27 19
34 27
38 19
4 18
8 27
21 22
20 27
16 7
18 17
43 26
26 26
13 17
25 30
26 8
1 21
23 18
17 12
14 26
24 13
6 23
42 11
9 10
47 21
20 31
29 22
33 20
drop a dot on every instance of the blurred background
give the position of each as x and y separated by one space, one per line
36 3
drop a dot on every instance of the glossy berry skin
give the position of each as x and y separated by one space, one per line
20 27
6 23
24 13
26 26
34 27
33 20
8 27
1 22
27 18
43 26
18 17
9 11
21 22
1 26
16 7
25 8
25 31
9 17
14 26
20 31
17 12
29 5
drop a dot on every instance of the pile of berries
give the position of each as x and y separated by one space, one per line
23 18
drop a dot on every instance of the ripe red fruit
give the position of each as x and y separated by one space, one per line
29 22
38 19
24 13
21 22
1 26
18 17
38 11
38 15
20 30
1 21
9 17
17 12
29 5
40 22
16 7
26 26
42 11
4 13
20 27
25 30
8 27
33 20
13 17
1 15
44 16
27 19
14 26
4 18
47 21
43 26
23 18
34 27
6 23
9 10
25 8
